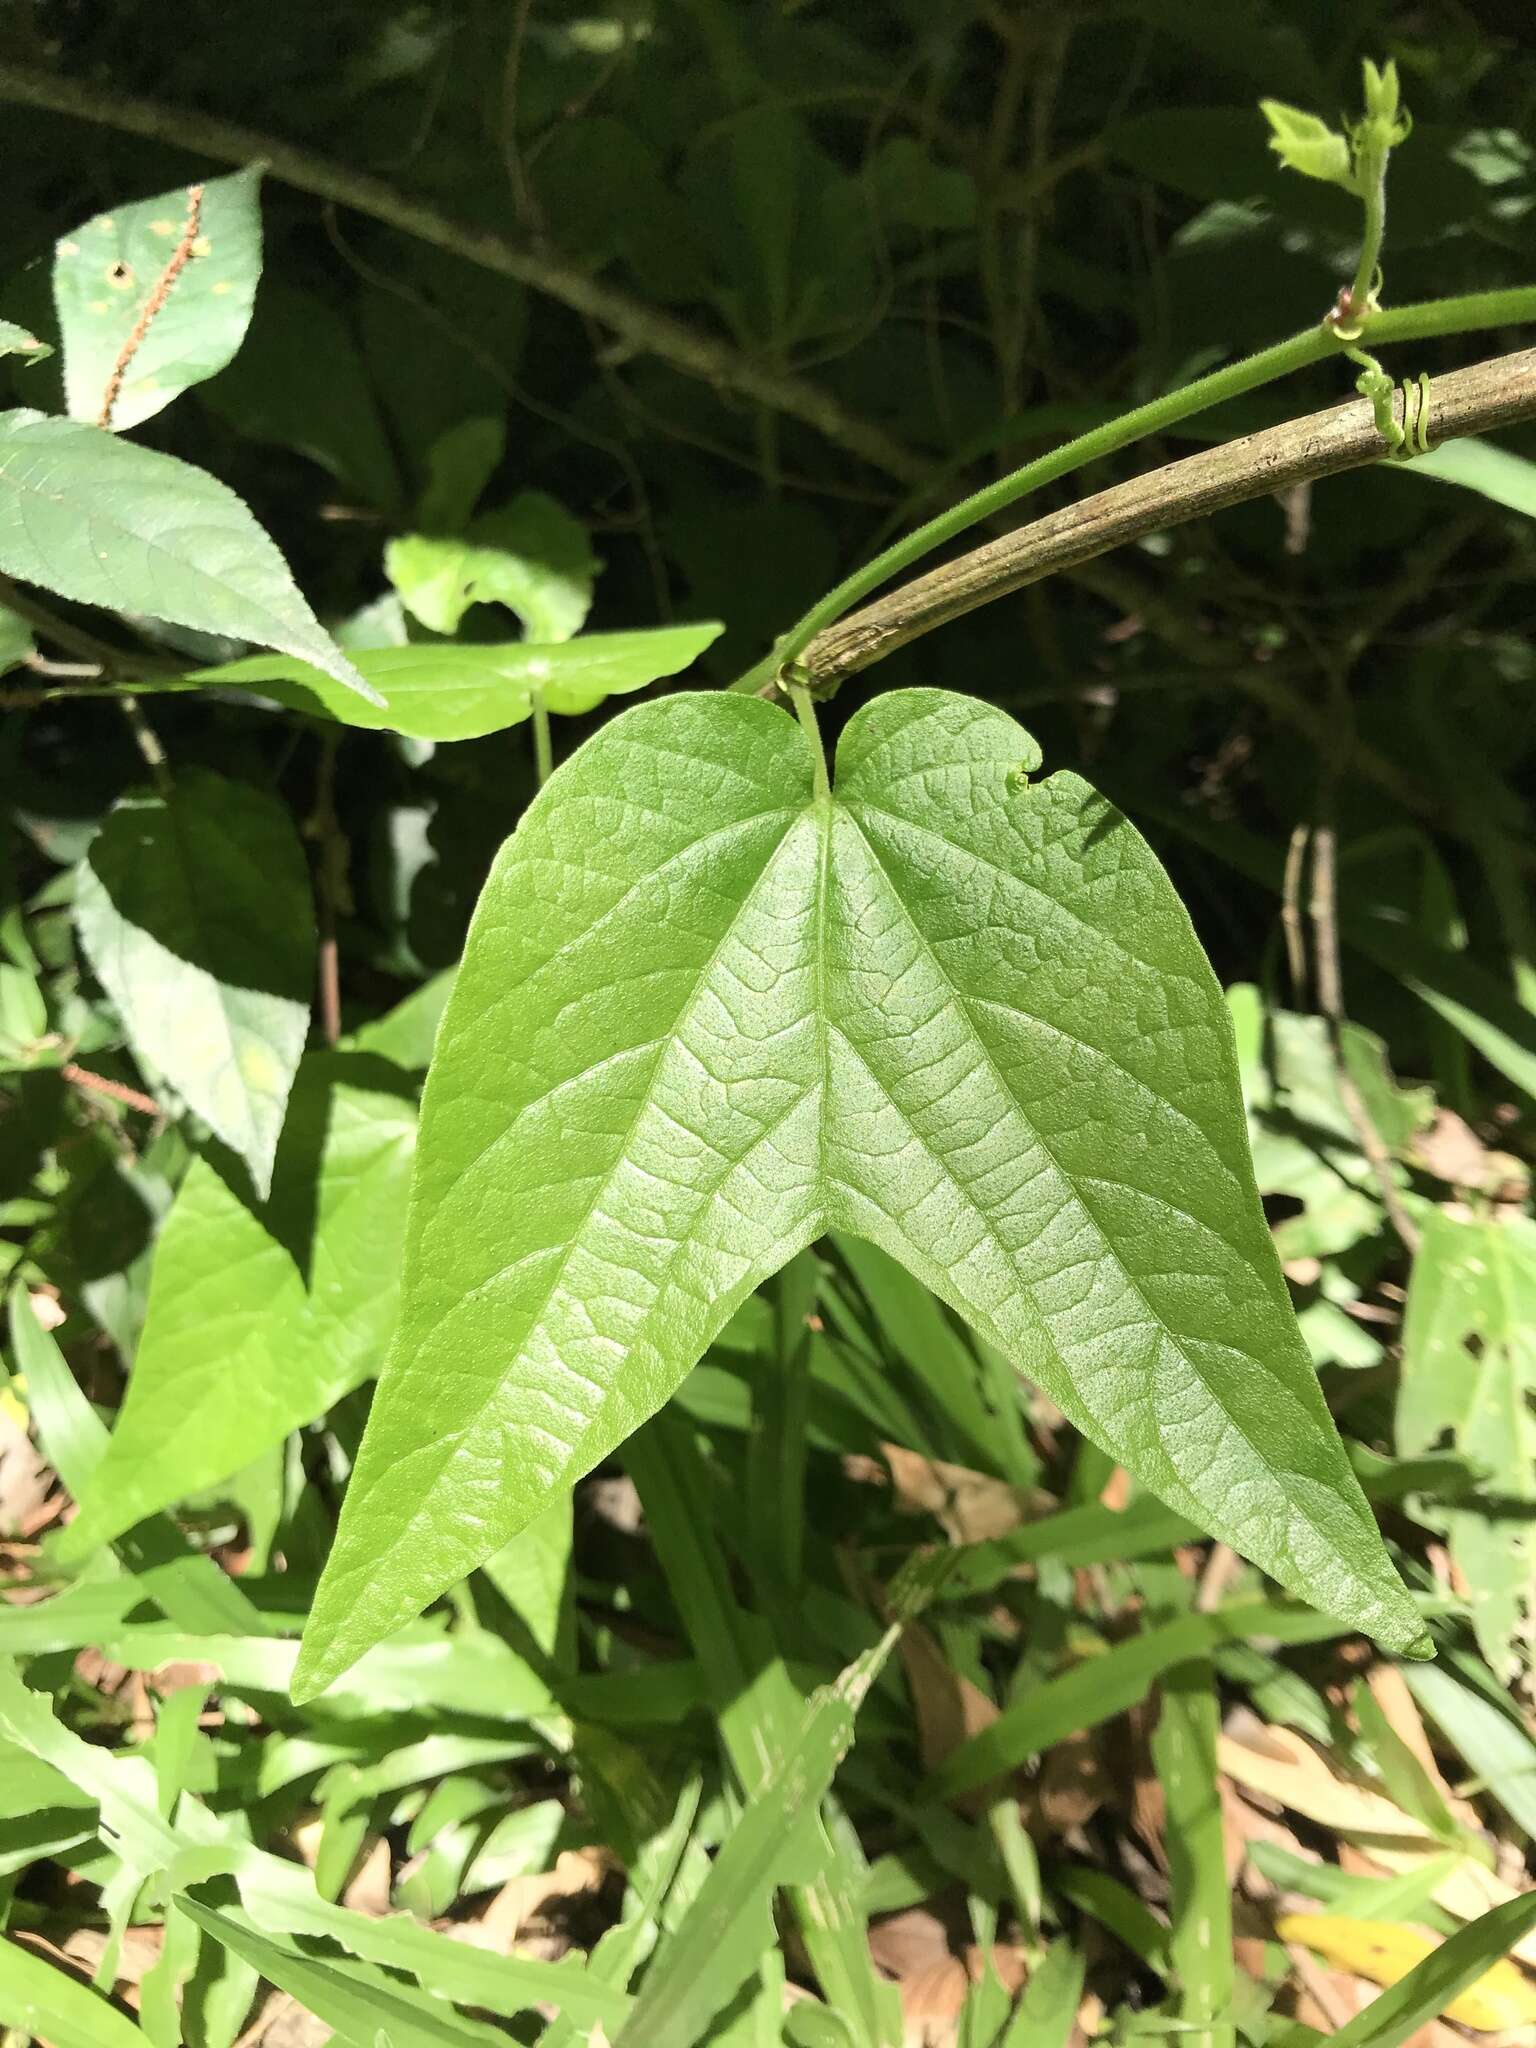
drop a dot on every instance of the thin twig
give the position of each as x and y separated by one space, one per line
1221 1568
1323 907
332 895
1489 394
116 1091
543 741
643 329
160 291
1290 911
147 740
74 639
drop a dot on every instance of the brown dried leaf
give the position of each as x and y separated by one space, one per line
931 2002
908 1943
578 1873
367 1889
949 1707
1072 1785
970 1507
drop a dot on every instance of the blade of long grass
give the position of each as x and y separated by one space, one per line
1184 1755
778 1839
188 1588
1047 2012
37 1998
1101 1687
758 1709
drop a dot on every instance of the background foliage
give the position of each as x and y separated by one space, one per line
975 230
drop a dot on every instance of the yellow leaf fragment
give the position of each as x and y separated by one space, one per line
1382 1952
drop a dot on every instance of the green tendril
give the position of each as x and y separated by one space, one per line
1411 437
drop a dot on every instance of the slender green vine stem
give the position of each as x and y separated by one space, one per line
543 744
1422 321
1375 200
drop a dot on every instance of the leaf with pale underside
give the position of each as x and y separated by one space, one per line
261 1317
194 909
705 1015
101 521
108 272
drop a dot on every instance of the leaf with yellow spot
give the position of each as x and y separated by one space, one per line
108 273
1384 1953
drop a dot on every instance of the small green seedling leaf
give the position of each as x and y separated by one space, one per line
103 522
709 1010
1306 144
155 296
194 908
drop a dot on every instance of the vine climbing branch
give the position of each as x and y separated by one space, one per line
1485 396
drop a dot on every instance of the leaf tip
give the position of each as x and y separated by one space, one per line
320 1663
344 672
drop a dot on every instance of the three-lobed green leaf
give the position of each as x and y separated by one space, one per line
195 911
706 1013
261 1317
107 273
101 521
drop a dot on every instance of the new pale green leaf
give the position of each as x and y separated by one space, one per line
101 521
260 1318
194 908
440 692
706 1014
531 556
1304 143
107 274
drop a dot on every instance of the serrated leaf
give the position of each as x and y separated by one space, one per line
1306 144
194 908
441 692
107 273
531 556
20 341
260 1318
101 521
705 1015
1469 1374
